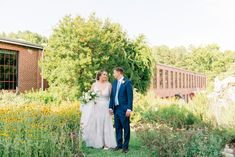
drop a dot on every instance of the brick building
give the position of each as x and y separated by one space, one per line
19 65
169 81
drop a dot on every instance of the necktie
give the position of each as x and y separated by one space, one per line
116 96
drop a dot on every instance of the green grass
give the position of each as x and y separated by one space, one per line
136 149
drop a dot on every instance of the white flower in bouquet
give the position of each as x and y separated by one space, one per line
88 96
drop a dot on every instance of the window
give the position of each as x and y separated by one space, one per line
155 79
161 78
179 80
186 80
190 76
183 80
200 82
197 81
172 79
204 82
176 80
166 79
8 69
192 81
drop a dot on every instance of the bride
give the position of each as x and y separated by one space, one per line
96 122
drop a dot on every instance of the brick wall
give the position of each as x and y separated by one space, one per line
167 81
28 68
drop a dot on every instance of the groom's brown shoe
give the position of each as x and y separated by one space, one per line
125 150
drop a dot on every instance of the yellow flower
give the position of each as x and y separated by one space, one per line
5 134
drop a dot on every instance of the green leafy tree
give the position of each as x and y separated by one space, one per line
170 56
79 47
208 59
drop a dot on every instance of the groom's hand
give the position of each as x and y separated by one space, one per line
110 111
128 113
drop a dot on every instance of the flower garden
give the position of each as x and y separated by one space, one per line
159 128
39 130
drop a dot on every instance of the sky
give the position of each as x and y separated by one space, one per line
163 22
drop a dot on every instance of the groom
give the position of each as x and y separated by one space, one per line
121 102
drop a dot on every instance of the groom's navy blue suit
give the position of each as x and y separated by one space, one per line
125 102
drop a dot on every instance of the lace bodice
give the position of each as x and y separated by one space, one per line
104 93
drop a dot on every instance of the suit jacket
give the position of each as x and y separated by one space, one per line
125 95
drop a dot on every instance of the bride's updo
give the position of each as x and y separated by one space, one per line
99 74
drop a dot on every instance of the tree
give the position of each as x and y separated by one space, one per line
78 48
208 59
170 56
27 36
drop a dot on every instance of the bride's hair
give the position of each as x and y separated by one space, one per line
99 74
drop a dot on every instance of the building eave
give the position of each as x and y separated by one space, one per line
21 43
181 69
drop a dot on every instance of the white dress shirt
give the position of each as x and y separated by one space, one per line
120 82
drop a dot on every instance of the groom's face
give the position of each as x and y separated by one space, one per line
116 74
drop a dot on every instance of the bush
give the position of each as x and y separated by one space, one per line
56 95
51 96
174 116
9 98
206 143
163 141
148 103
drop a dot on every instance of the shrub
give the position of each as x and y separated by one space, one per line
9 98
165 141
35 97
205 143
162 140
174 116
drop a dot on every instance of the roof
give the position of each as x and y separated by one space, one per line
21 43
169 66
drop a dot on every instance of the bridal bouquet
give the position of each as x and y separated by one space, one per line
88 96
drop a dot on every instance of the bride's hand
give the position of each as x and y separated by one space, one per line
110 112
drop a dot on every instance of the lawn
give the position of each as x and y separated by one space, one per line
136 149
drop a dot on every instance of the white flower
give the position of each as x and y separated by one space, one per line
88 96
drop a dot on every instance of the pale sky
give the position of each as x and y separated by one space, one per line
168 22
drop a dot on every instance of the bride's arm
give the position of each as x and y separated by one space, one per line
93 86
110 88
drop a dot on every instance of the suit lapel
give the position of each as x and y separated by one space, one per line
115 87
122 84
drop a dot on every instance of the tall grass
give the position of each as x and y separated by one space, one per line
218 114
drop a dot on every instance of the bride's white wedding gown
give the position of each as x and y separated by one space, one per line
97 127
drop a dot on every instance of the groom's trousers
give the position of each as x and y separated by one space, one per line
122 123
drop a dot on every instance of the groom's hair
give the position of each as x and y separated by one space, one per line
119 69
